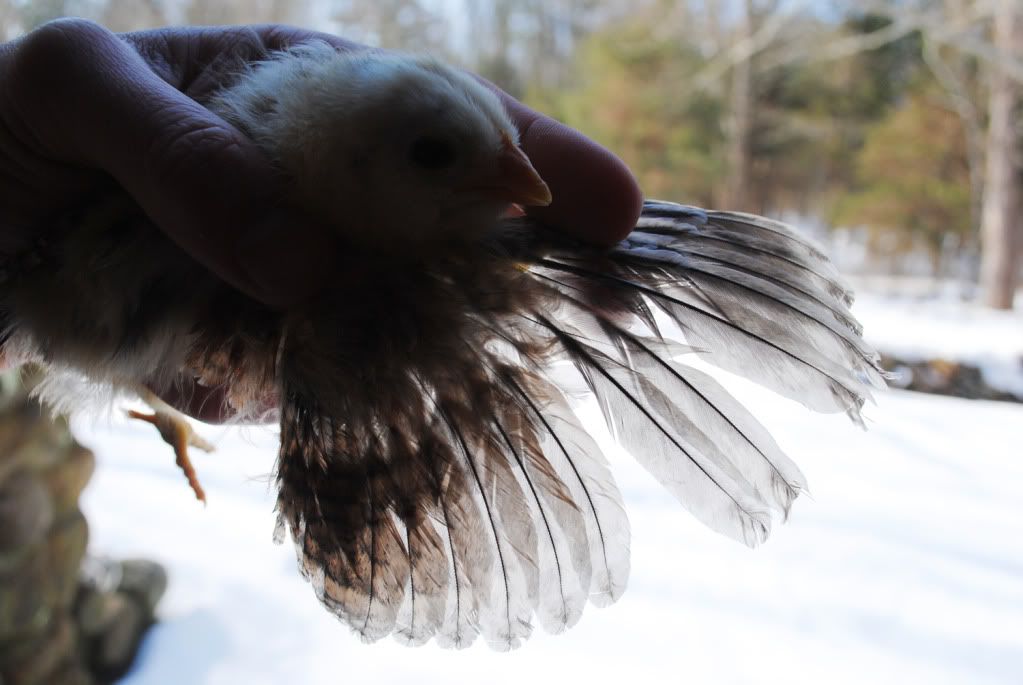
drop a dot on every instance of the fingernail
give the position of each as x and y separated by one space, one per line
287 257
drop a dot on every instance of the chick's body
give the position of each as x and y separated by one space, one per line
114 303
118 304
431 472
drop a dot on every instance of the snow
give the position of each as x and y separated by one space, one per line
941 326
905 566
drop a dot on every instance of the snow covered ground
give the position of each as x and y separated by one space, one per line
906 566
929 326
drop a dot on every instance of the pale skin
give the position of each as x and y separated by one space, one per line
80 105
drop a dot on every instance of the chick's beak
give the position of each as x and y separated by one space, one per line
516 181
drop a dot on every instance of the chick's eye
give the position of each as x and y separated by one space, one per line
432 153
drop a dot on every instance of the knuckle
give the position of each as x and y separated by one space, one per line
60 42
53 55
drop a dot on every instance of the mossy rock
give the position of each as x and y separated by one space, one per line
31 440
27 595
66 547
26 514
52 656
67 479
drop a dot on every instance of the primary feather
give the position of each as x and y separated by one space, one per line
431 471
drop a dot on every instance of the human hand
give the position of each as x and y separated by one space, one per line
79 105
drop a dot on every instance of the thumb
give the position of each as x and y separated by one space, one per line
87 97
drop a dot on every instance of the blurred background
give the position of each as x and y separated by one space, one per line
890 130
891 121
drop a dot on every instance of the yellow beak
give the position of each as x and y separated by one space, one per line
516 180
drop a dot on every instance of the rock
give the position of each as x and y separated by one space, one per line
145 580
45 582
26 596
110 651
36 444
26 513
67 479
60 624
39 665
92 611
943 377
16 650
66 544
72 673
17 423
115 606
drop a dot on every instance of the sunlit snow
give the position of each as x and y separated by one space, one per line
904 565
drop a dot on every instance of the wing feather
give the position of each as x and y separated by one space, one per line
451 491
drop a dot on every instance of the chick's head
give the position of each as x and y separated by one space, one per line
397 152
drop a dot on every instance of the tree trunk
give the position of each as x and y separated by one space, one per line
737 191
1000 222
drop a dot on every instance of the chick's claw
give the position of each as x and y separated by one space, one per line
179 434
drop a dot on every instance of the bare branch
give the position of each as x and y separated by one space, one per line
743 50
935 23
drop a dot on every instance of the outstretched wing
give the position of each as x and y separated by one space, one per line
751 296
432 473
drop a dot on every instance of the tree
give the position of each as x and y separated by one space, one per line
913 179
741 116
1001 221
493 46
132 15
627 96
981 32
246 11
396 24
37 12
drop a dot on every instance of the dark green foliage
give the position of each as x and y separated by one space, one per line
913 180
864 140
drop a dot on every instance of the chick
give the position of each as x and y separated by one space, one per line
403 153
431 472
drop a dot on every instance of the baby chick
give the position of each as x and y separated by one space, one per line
431 471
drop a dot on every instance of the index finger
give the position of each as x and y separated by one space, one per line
596 197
